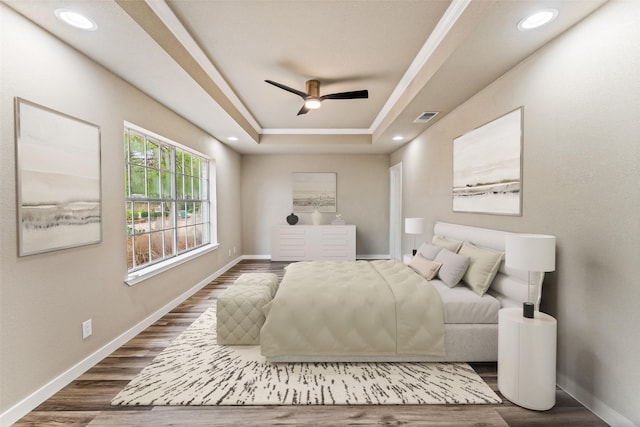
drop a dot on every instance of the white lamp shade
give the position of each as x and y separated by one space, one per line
414 225
530 252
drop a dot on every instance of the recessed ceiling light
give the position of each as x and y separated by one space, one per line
232 138
76 19
398 138
537 19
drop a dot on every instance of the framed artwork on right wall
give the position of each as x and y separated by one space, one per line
487 167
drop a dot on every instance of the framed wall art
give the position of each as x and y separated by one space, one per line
314 190
487 167
58 180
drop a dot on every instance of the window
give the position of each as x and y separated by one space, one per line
167 204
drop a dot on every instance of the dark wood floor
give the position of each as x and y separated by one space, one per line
86 400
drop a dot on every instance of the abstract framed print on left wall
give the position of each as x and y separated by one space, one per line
58 180
487 167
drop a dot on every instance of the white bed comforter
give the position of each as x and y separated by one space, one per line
347 308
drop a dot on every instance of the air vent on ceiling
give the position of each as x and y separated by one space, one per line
425 117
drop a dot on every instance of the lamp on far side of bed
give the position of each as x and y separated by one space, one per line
535 253
414 226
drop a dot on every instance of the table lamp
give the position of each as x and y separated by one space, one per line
535 253
414 226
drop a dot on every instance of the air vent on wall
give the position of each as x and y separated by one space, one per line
425 117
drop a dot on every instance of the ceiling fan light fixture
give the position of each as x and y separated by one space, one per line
312 98
312 103
537 19
75 19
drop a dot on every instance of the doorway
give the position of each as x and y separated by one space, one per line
395 211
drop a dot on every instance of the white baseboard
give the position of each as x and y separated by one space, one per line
28 404
384 256
592 403
267 257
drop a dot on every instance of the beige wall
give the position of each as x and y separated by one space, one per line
44 298
581 165
363 197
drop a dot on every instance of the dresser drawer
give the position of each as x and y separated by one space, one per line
313 242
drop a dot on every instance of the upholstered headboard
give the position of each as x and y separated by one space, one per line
510 286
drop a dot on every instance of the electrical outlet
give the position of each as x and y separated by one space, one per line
234 250
229 252
86 329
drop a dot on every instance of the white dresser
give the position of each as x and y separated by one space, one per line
313 242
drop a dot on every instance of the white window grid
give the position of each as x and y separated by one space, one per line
174 210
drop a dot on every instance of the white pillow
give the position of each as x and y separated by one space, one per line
453 267
424 267
483 267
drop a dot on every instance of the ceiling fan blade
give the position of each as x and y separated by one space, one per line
356 94
303 110
288 89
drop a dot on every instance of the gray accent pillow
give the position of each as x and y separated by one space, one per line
483 267
452 245
429 251
453 267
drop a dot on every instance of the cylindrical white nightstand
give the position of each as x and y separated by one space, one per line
527 358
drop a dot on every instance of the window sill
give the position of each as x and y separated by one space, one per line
148 272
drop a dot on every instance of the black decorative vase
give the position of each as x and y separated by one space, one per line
527 310
292 219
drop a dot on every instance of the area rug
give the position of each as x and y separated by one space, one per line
194 370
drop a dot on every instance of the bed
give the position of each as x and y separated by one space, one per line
385 310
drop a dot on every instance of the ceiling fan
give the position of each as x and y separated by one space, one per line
312 98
